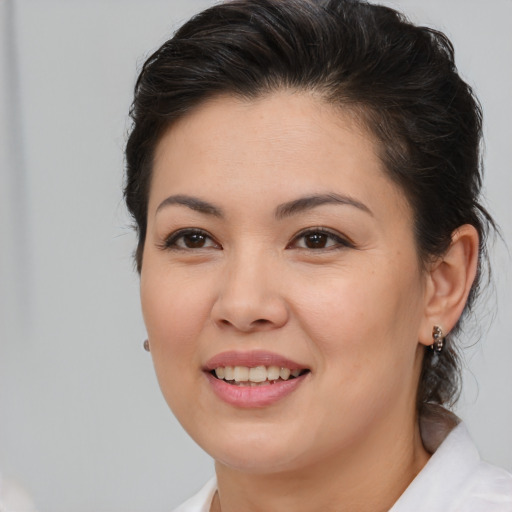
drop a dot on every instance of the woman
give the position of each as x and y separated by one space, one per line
305 180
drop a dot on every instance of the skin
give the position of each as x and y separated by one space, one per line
357 312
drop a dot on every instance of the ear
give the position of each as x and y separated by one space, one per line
449 282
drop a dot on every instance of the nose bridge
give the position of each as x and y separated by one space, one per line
250 295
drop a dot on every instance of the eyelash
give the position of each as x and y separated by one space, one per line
340 241
171 242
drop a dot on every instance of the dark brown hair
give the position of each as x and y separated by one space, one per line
399 79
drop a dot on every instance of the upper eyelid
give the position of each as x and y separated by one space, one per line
175 235
319 229
170 239
345 240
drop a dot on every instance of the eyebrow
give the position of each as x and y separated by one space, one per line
284 210
193 203
307 203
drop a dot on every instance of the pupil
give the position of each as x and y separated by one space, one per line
194 241
316 240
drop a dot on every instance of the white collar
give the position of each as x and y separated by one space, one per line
453 480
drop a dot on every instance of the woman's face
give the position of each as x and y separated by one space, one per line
277 244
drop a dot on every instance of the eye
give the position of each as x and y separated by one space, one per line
318 238
189 239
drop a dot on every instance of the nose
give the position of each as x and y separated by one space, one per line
250 296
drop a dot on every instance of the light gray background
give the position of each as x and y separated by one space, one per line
82 422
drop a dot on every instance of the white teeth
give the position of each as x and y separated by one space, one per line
284 373
241 373
229 373
273 373
256 375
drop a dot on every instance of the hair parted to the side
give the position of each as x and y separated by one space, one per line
399 79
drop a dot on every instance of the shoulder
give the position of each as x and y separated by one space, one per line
14 497
201 501
455 479
486 489
476 486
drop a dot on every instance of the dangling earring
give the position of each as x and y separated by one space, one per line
146 345
438 338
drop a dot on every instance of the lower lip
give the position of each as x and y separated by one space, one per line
254 396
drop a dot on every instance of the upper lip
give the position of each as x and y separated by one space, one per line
251 359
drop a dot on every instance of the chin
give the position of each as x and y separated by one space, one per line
257 460
255 448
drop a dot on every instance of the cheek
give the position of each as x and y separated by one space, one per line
357 310
174 312
364 323
174 309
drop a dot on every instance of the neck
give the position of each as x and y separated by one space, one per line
354 480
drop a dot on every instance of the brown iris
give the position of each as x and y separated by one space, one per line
194 240
316 240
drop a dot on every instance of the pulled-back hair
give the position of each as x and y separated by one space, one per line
399 80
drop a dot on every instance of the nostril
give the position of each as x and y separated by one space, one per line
261 321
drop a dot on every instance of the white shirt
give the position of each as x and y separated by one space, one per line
13 498
454 479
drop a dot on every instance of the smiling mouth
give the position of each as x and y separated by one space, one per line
256 376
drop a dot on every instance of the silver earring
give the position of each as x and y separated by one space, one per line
438 338
146 345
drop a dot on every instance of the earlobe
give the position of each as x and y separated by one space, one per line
449 282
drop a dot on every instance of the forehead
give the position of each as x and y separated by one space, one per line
282 144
